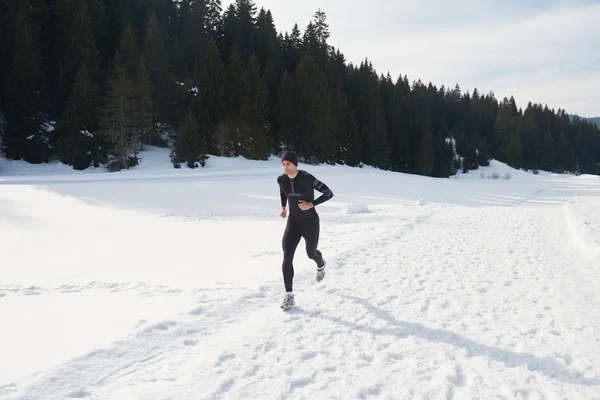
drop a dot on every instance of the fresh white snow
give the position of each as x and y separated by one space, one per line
163 283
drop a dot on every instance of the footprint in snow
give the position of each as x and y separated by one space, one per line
33 291
307 355
163 326
369 391
265 253
196 311
79 394
225 357
69 289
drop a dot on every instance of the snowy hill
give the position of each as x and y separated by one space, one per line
158 283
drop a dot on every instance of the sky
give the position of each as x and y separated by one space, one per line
540 51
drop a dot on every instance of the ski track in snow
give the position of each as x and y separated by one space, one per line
436 302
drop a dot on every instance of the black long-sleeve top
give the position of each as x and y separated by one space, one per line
302 187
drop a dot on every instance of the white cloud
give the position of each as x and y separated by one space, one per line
542 52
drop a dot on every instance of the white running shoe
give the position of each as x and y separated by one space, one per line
288 301
321 272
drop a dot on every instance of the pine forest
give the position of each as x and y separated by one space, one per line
91 82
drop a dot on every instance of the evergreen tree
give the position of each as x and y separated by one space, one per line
366 100
129 53
270 56
483 152
344 132
98 16
392 101
212 18
208 101
289 118
245 11
76 128
25 135
548 159
527 128
189 145
13 13
157 60
566 158
74 46
118 16
514 150
442 158
193 32
178 56
230 36
315 39
425 157
229 134
315 109
254 115
292 46
118 123
145 114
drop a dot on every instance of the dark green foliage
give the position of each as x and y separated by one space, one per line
314 102
229 134
25 135
144 105
158 63
426 154
76 129
206 80
118 119
189 146
254 114
207 89
75 45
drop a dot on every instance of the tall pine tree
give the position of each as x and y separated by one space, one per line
315 108
157 60
207 82
145 113
26 134
77 126
118 123
254 115
229 133
189 146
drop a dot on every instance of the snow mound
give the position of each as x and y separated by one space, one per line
355 208
422 202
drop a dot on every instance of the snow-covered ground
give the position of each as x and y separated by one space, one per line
157 283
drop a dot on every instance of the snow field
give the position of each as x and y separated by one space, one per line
435 288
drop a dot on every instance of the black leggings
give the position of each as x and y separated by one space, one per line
294 230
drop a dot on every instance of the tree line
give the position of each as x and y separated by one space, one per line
91 82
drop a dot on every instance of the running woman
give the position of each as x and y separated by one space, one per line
296 187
